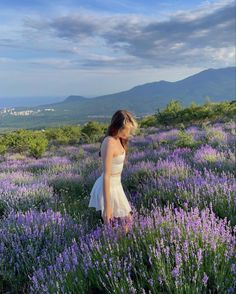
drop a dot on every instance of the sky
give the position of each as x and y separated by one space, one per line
96 47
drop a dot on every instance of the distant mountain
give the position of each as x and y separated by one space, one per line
73 99
211 84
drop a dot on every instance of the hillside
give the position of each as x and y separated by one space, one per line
216 84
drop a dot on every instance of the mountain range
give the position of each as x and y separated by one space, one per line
211 84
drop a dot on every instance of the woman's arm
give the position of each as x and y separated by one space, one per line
109 149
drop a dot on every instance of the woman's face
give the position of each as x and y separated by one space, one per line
125 132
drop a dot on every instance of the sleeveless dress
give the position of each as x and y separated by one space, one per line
119 203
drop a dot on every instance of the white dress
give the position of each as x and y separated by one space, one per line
119 203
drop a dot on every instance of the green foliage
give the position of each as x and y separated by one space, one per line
24 141
184 139
17 141
170 113
173 106
63 135
37 144
91 131
147 121
173 114
3 147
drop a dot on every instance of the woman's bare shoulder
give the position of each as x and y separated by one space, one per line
108 140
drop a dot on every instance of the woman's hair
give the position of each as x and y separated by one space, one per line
118 121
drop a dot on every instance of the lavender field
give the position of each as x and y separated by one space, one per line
181 186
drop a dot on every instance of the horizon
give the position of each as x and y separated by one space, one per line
57 50
74 94
64 97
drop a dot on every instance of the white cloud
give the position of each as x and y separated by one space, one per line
179 39
67 49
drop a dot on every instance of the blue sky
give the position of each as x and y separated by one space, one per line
90 48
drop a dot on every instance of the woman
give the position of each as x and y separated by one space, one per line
107 193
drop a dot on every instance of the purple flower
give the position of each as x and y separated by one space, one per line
205 279
175 272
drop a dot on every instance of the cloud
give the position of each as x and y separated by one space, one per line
182 38
203 36
122 62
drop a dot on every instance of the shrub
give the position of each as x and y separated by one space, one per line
184 139
37 145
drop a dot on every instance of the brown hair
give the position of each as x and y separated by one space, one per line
118 121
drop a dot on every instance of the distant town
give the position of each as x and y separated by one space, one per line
11 111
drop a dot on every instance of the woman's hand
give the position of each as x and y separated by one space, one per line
107 215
